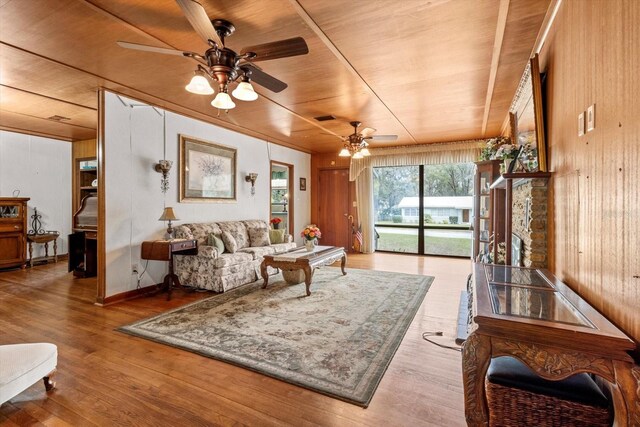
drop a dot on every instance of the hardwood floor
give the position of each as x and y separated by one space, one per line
109 378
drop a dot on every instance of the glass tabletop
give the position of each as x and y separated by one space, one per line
516 276
534 303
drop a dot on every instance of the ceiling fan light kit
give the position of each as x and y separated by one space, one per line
355 145
223 101
245 92
199 84
223 65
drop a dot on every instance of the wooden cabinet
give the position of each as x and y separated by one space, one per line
13 231
488 210
85 176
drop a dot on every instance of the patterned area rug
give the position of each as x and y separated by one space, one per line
338 341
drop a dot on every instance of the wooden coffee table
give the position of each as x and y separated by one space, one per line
301 259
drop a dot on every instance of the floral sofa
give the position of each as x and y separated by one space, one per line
237 265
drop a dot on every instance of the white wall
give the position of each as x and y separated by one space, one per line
134 141
41 169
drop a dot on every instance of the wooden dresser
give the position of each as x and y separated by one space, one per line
13 231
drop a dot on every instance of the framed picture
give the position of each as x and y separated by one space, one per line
207 171
303 184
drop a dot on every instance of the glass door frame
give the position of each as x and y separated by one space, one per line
421 227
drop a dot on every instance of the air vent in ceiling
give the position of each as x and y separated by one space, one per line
57 118
325 118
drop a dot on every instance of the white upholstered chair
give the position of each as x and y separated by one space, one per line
22 365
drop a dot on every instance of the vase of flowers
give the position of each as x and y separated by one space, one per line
311 234
275 222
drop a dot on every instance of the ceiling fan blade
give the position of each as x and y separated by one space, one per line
197 17
146 48
280 49
367 131
264 79
383 137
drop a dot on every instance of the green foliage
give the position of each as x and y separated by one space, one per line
428 219
444 221
397 219
449 180
453 219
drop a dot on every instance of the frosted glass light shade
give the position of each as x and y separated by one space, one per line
245 92
199 85
223 101
365 152
357 155
344 153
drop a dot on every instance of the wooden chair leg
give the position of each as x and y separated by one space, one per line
49 384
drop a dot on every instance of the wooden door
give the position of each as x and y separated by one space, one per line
334 200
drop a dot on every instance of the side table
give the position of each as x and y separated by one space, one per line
43 238
163 250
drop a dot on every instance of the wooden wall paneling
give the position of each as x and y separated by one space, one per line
102 202
591 57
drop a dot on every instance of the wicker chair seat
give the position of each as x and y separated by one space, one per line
516 396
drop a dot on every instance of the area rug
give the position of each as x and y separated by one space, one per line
337 341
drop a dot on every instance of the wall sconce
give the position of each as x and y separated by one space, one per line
163 167
252 179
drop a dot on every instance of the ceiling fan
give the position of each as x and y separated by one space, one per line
223 65
356 144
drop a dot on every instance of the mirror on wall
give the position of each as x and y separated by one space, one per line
281 196
527 123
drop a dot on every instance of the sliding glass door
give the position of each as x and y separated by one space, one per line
424 209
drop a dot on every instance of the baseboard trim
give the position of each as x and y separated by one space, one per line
123 296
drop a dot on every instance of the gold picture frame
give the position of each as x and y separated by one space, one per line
207 171
526 116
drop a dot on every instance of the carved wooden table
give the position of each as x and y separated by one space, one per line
163 250
301 259
532 316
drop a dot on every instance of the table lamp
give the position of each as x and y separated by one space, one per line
168 215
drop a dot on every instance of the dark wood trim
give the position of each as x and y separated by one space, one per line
102 255
127 295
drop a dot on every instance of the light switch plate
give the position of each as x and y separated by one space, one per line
581 124
591 117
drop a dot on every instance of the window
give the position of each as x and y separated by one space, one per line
442 192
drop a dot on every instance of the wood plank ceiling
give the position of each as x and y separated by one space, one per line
427 71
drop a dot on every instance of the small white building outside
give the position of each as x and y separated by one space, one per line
440 208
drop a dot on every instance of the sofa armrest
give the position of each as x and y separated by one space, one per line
208 251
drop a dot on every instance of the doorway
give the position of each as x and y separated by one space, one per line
281 191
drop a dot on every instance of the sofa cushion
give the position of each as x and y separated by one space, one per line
238 230
259 252
229 259
276 236
230 243
216 242
199 231
259 237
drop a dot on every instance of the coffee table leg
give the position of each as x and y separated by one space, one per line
343 264
308 274
265 275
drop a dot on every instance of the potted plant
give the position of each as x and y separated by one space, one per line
275 222
311 234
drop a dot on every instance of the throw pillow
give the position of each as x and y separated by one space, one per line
230 243
259 237
216 242
276 236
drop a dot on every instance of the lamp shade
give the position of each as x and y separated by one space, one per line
344 153
357 155
223 101
245 92
365 152
168 215
199 85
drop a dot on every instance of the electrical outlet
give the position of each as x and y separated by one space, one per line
134 269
